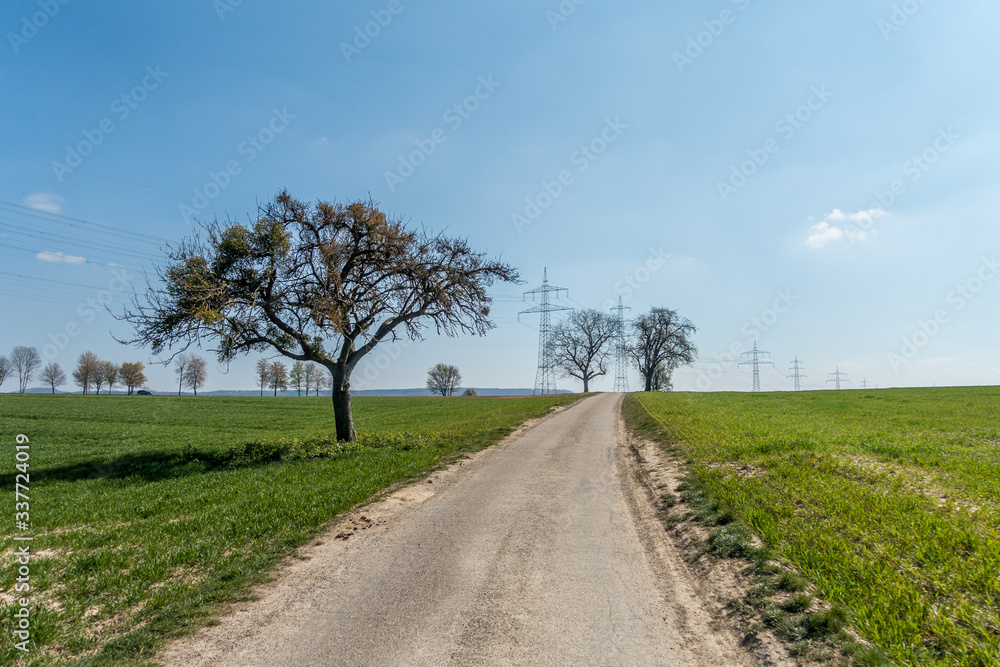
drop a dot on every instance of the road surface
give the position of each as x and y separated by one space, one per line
539 551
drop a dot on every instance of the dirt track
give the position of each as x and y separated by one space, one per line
542 550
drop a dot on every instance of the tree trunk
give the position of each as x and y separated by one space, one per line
649 381
342 415
586 384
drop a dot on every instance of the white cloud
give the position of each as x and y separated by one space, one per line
59 257
839 226
44 202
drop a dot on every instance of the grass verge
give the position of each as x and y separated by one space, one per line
776 598
886 500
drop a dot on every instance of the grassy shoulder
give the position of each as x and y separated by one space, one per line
886 500
149 512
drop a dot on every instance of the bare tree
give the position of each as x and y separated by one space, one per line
297 376
98 376
52 375
263 370
443 379
278 377
580 345
180 368
110 374
323 380
132 375
302 275
86 369
25 361
470 392
309 378
661 336
663 376
195 372
5 369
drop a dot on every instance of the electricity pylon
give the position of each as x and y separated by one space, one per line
621 362
864 384
796 375
545 377
756 359
837 378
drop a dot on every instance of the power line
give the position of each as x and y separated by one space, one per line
838 378
621 363
545 377
756 359
797 374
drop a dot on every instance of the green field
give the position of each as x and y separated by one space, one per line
888 500
149 511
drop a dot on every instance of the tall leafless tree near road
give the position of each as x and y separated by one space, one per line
579 345
661 336
302 275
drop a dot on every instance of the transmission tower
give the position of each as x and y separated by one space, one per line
756 359
797 375
864 384
838 378
621 363
545 378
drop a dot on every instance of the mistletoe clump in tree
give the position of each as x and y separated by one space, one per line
322 283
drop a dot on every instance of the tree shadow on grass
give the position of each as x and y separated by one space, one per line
148 466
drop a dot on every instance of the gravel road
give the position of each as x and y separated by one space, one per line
539 551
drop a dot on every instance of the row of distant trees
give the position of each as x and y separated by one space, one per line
276 376
92 372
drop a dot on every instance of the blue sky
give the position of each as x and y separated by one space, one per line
819 177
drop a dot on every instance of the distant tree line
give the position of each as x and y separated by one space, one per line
274 375
91 372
